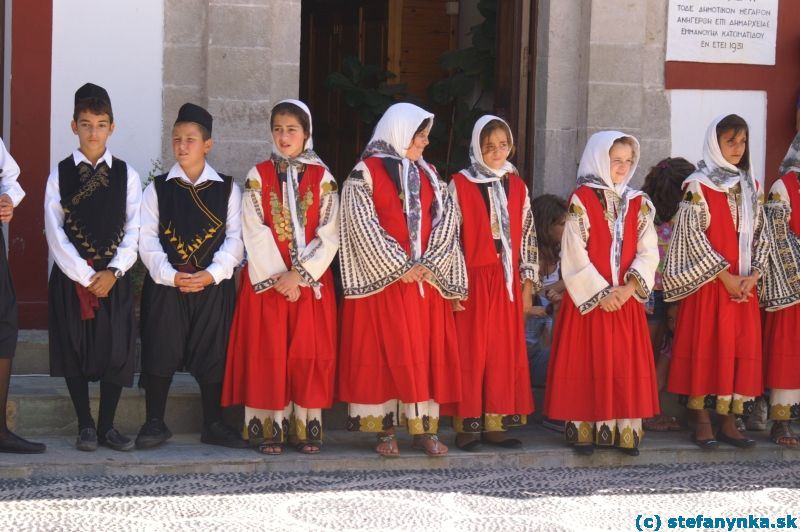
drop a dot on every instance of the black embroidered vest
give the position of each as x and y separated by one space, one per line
94 202
191 219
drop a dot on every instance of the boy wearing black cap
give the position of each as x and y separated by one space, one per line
190 242
91 213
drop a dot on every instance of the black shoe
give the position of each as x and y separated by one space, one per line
11 443
218 433
152 434
508 443
742 443
114 440
87 440
707 445
629 451
583 449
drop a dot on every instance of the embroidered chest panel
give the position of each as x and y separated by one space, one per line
192 219
94 202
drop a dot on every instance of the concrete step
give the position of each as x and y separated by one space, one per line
40 405
32 356
344 451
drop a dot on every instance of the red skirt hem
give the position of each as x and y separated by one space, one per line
601 365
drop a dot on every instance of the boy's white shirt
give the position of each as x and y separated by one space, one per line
61 249
10 173
226 258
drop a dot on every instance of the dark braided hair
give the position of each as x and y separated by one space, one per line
663 185
548 209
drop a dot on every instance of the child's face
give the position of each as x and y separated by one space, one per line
733 145
93 131
288 134
418 144
621 156
495 149
188 145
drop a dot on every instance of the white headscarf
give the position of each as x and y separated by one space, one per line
479 172
392 137
791 163
718 174
595 171
291 196
306 156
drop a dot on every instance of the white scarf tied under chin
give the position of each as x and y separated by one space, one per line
291 191
595 171
393 135
718 174
479 172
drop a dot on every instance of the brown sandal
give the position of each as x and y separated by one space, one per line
387 446
430 444
781 434
270 448
308 447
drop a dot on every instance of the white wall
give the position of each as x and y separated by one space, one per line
693 111
118 45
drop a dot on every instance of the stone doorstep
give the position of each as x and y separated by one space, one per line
33 356
344 451
39 405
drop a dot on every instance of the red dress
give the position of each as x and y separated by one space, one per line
601 363
781 349
717 344
396 344
280 351
491 336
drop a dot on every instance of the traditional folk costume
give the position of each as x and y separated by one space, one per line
398 358
282 355
716 350
601 376
9 172
9 186
91 216
499 242
780 290
188 227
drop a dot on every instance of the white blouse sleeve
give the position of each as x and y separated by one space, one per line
153 256
125 257
585 285
230 253
263 256
62 250
319 253
691 260
644 265
9 174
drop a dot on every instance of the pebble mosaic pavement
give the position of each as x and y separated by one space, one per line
455 499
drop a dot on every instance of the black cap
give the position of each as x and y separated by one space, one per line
90 90
190 112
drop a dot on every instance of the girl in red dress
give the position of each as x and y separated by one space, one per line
780 295
499 242
713 263
601 376
400 263
282 349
